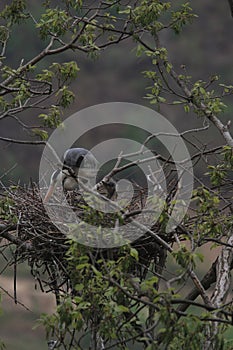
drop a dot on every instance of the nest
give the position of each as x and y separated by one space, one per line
43 243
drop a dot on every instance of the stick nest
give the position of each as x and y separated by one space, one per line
44 246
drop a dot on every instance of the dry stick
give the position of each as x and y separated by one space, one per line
196 281
200 288
134 222
211 276
8 171
206 282
23 142
117 169
11 296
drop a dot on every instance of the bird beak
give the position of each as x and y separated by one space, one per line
49 193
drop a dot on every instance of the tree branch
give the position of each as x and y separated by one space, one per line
223 129
206 282
223 273
22 142
231 6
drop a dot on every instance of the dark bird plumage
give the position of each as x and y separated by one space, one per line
78 163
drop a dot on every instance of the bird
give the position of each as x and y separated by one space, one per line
107 188
79 163
76 162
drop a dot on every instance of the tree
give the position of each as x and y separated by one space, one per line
119 297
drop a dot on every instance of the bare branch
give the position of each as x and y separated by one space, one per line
22 142
206 282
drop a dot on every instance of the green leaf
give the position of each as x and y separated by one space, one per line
41 133
79 287
121 308
134 253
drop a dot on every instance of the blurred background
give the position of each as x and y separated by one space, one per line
205 48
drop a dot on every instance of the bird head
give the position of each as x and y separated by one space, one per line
77 162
